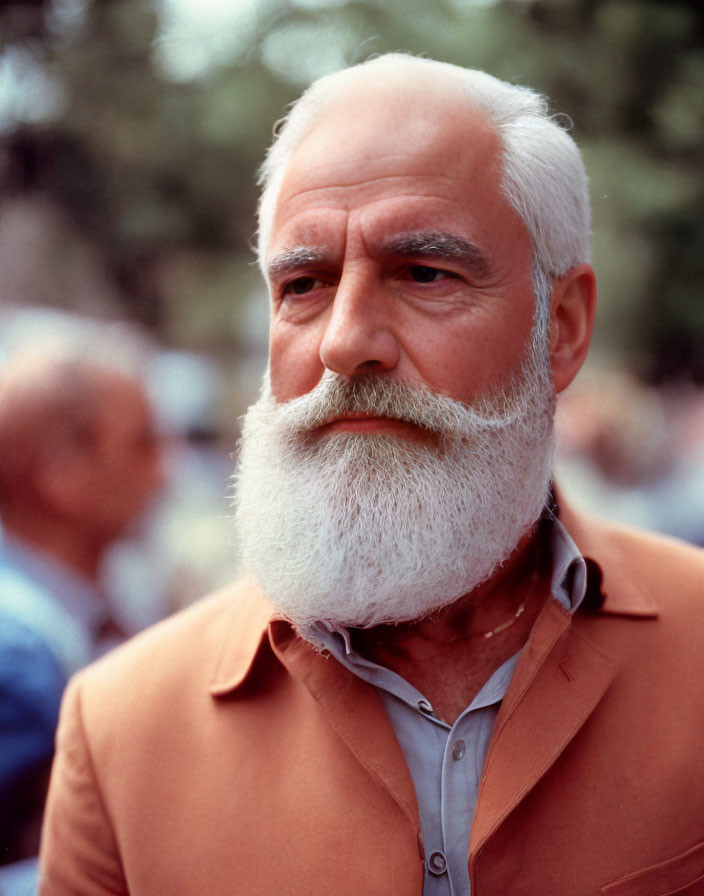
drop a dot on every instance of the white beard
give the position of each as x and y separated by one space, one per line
358 529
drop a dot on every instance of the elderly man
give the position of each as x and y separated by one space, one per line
438 679
78 462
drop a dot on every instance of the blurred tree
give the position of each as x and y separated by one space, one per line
154 117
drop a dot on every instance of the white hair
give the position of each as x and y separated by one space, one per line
543 174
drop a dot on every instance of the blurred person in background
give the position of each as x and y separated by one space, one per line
80 461
633 452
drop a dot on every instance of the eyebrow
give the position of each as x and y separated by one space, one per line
438 245
294 259
426 244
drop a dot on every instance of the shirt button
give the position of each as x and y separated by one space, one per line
425 707
437 863
458 749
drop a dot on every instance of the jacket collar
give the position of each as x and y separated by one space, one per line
246 637
249 632
603 543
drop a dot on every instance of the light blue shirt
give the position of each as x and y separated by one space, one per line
66 610
446 761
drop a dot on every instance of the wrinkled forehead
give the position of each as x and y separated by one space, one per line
399 148
370 131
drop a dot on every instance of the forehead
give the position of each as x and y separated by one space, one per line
401 164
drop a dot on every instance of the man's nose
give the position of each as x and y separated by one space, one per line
359 336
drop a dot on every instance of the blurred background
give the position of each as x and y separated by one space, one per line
130 136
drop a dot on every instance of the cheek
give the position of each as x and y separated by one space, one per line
471 360
294 360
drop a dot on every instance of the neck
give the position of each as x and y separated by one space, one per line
59 540
449 655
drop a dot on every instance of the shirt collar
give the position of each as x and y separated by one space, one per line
569 570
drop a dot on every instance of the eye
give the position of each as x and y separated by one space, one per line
301 286
421 273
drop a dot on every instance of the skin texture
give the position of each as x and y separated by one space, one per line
394 253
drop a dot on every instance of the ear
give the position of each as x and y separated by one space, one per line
573 305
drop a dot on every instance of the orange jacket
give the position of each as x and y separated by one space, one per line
219 753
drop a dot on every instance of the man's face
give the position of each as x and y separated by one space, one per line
404 445
394 253
125 456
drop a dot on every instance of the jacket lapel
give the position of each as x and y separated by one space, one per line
354 711
351 706
560 678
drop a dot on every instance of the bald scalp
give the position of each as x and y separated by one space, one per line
49 406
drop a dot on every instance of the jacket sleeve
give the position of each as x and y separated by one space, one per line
79 855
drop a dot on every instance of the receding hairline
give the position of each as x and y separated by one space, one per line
354 88
453 85
532 144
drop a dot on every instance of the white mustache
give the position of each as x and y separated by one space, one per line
335 396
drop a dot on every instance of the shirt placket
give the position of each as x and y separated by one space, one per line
449 759
462 764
